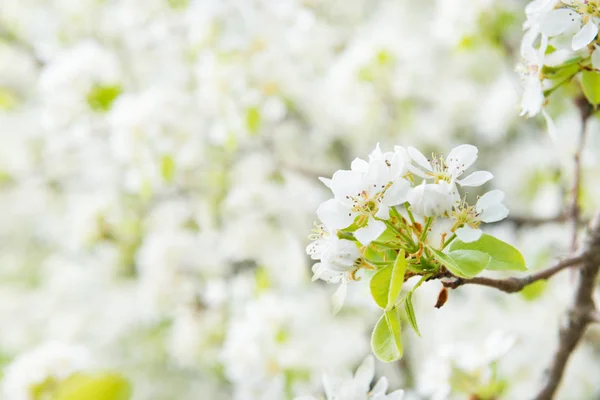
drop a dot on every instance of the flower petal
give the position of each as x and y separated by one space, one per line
370 232
326 181
346 183
461 158
334 215
359 165
380 387
339 296
468 234
585 35
397 193
419 158
489 199
477 178
364 374
559 21
494 213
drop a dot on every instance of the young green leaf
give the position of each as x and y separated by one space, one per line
102 386
410 313
463 263
504 256
397 279
386 283
380 286
590 83
386 339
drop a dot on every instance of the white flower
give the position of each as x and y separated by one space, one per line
578 19
489 208
451 168
348 387
367 191
530 70
431 199
339 259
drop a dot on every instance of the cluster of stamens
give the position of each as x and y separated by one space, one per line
463 213
366 204
319 231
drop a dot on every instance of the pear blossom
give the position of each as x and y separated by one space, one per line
339 261
489 208
366 192
431 199
451 168
530 70
579 20
346 386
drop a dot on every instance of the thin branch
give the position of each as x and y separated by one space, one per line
578 315
585 110
516 284
520 221
594 316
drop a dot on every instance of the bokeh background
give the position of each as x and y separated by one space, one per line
158 181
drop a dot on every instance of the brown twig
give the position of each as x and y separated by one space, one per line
574 212
578 314
516 284
594 316
520 221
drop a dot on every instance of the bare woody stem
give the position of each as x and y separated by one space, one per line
578 316
574 211
516 284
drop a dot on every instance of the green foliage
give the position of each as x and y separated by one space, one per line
167 167
102 97
463 263
590 83
101 386
253 119
380 284
386 339
386 283
8 99
534 291
178 4
504 257
410 313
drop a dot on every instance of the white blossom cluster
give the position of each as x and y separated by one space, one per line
560 35
158 165
388 184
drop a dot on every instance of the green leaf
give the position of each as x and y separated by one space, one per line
380 285
101 97
534 291
253 119
167 167
504 257
102 386
386 283
410 313
397 279
463 263
386 339
590 83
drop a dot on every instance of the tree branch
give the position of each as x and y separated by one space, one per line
516 284
578 315
574 211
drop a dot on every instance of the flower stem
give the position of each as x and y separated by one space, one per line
447 242
426 229
399 233
386 245
410 214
